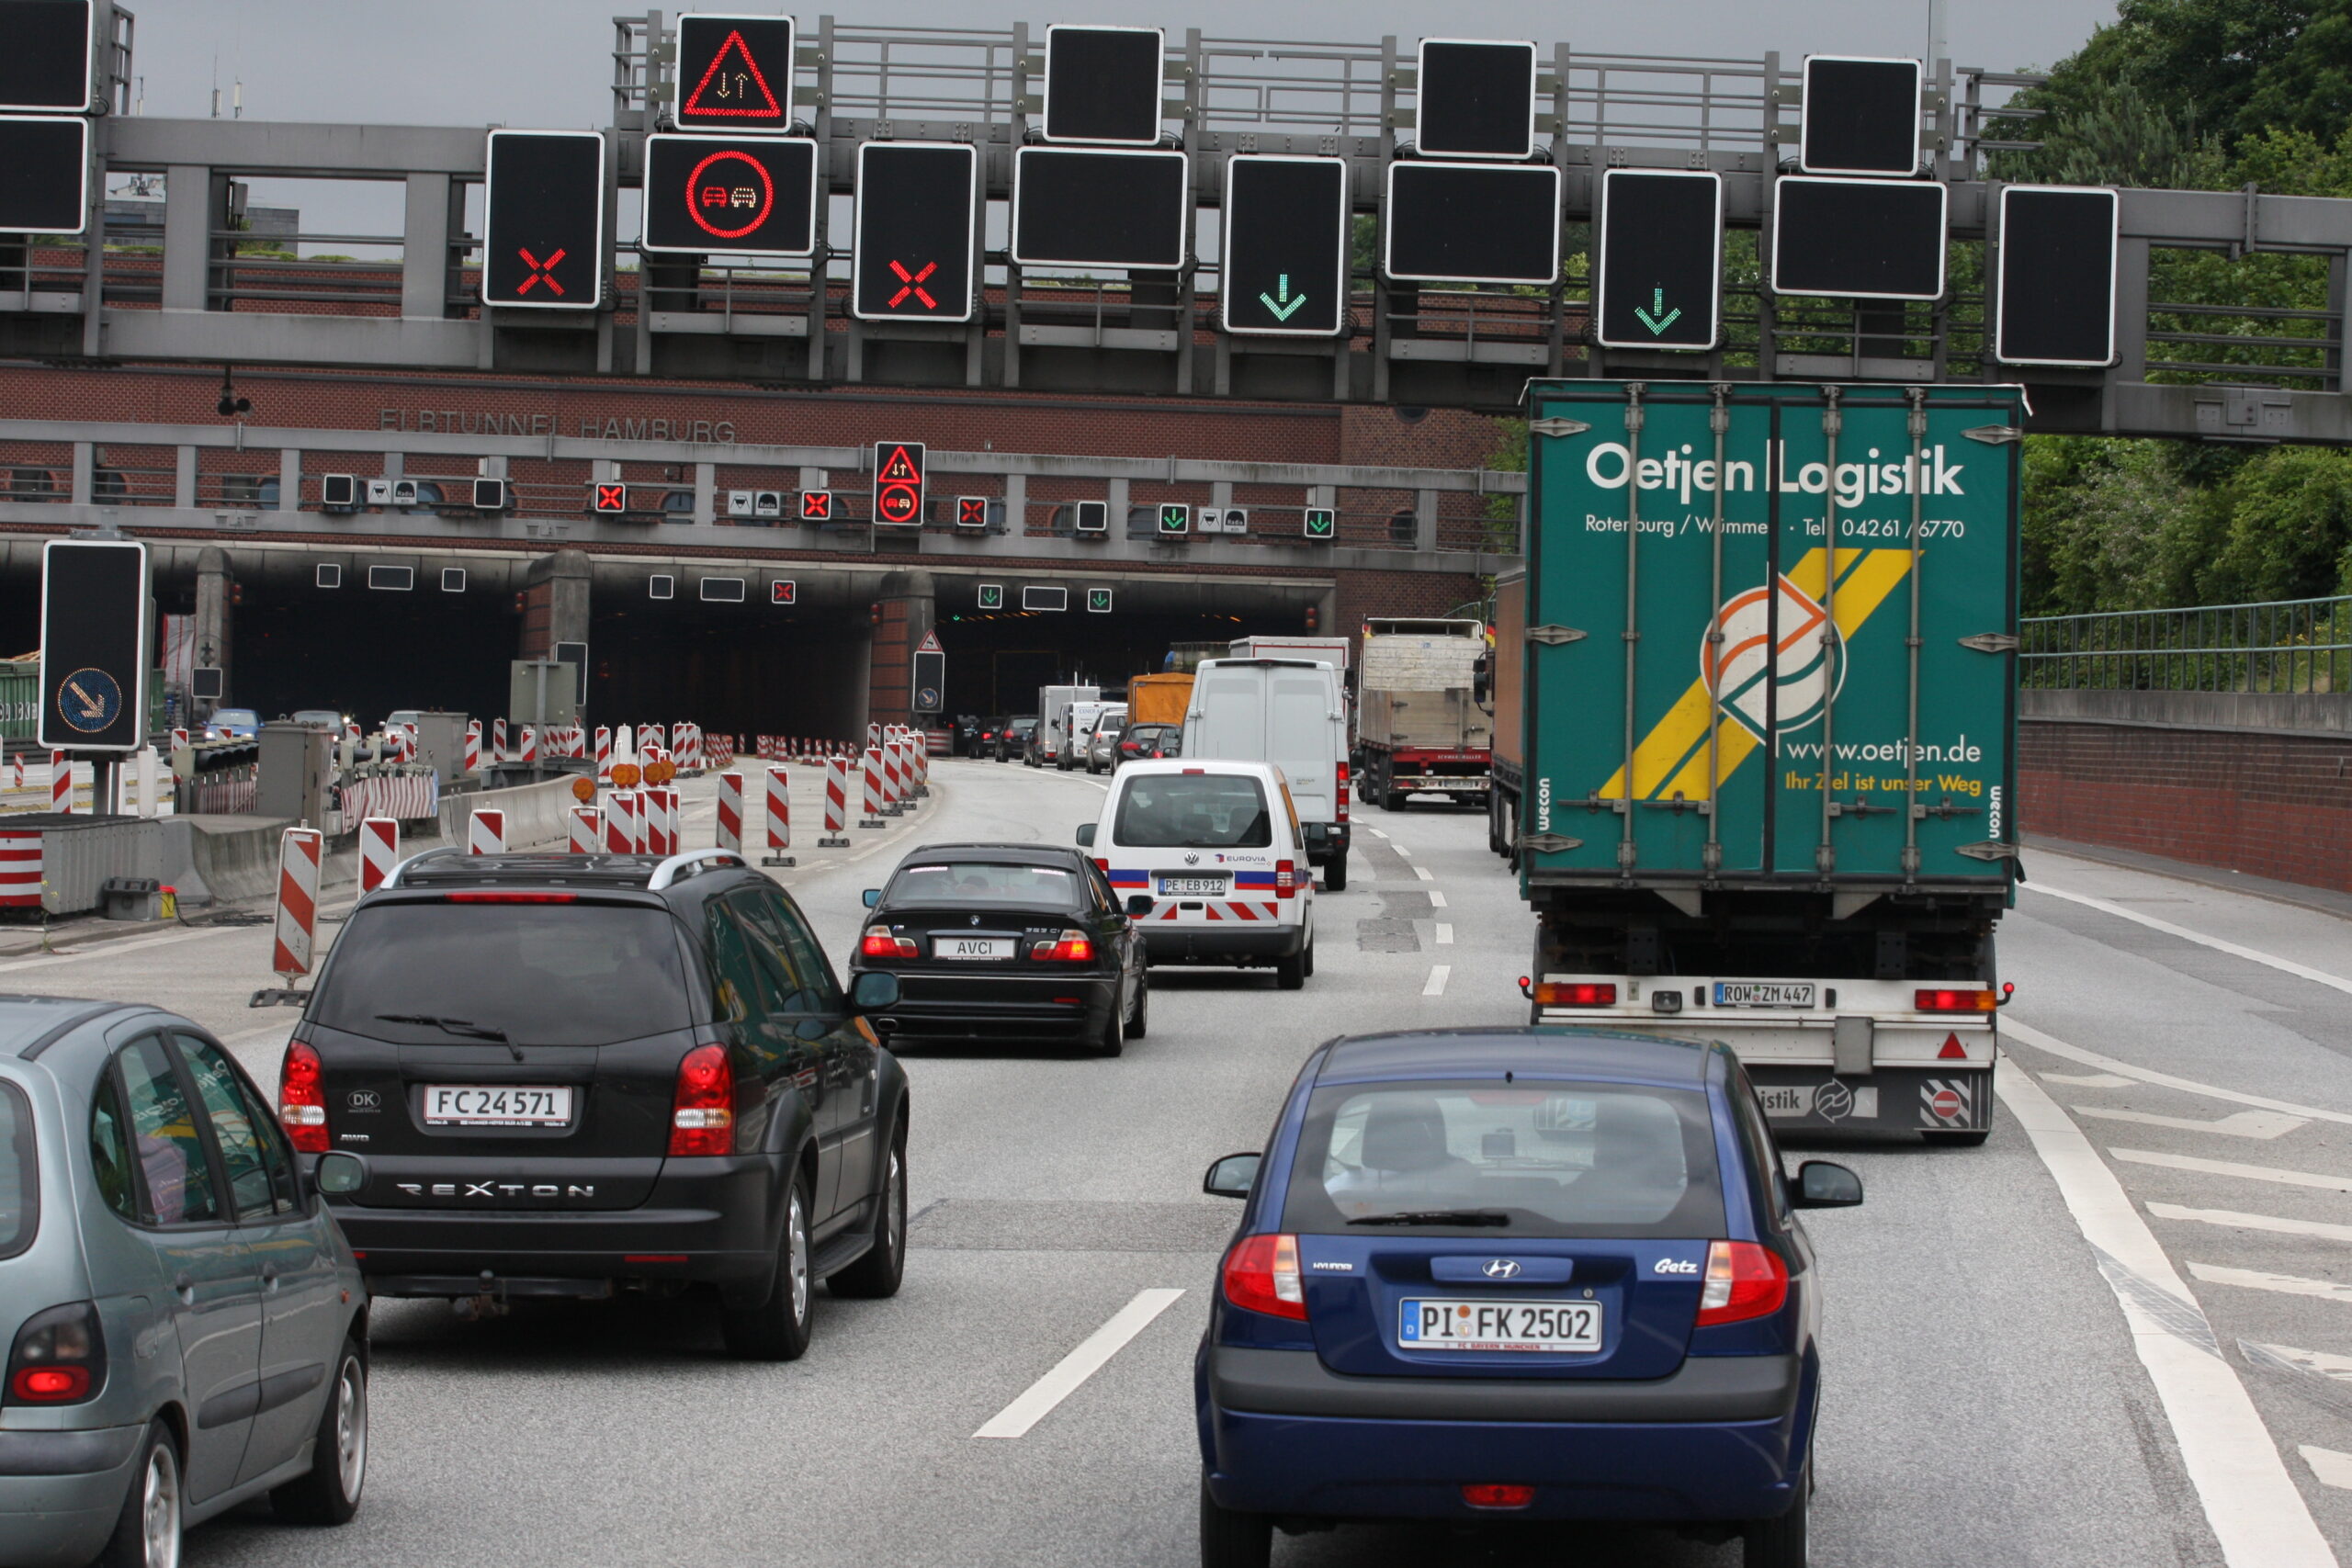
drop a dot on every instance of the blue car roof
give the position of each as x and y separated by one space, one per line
25 1020
1548 1052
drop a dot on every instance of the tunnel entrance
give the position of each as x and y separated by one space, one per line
997 661
741 669
369 653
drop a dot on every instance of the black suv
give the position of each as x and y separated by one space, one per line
568 1075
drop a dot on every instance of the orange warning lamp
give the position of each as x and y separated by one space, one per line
625 774
584 790
660 771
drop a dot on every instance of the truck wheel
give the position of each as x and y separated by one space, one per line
1392 800
1335 875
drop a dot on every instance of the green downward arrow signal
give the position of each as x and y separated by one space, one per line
1664 319
1283 311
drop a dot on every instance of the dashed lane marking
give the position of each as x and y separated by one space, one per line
1436 900
1445 934
1439 974
1376 833
2241 1124
2284 1284
2258 1516
2278 1224
1093 1352
1423 873
2228 1167
2027 1035
2088 1081
2235 949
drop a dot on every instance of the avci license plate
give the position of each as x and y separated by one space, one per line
1192 886
1563 1328
1763 994
497 1105
971 947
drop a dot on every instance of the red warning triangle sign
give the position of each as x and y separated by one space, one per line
1954 1050
900 468
929 644
734 86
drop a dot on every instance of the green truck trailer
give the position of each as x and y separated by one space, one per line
20 704
1757 786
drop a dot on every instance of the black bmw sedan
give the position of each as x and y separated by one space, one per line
1004 943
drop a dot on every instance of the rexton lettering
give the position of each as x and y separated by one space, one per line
1607 464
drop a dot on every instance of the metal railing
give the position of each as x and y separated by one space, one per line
2287 645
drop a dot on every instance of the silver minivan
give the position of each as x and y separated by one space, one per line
186 1327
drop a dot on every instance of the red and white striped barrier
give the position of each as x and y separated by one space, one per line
486 832
17 771
473 745
661 807
60 784
299 851
498 740
380 850
620 823
874 797
894 793
779 816
722 750
836 834
730 812
181 740
530 747
652 737
20 871
587 826
604 753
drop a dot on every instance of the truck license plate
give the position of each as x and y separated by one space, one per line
1764 994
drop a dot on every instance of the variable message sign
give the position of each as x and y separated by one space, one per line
543 233
751 194
1285 226
917 205
1658 280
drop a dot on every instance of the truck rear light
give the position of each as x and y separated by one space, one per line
1285 879
1743 1281
303 1098
1576 994
60 1357
1942 1000
1261 1275
881 942
1498 1494
702 1114
1070 947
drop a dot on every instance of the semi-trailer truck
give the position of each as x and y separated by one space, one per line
1765 779
1418 730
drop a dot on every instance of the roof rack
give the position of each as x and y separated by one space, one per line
689 863
401 871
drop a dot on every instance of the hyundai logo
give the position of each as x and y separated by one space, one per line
1500 1268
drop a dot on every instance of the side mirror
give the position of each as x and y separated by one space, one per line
876 990
1233 1176
872 896
340 1175
1086 834
1822 1184
1139 905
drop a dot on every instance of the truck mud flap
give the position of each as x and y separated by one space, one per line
1889 1101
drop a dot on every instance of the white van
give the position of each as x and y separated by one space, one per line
1218 846
1291 713
1085 719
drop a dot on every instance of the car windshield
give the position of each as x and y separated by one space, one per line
1529 1159
983 882
1194 811
540 974
19 1177
226 717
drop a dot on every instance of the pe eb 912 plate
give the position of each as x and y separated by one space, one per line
497 1105
1425 1323
1764 994
1192 886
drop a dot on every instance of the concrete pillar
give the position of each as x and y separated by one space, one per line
555 599
290 479
909 611
183 478
214 592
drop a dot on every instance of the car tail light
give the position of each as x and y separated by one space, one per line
1576 994
303 1098
1261 1275
881 942
511 898
1285 879
1343 792
1070 947
1743 1281
702 1118
1493 1494
1941 1001
60 1357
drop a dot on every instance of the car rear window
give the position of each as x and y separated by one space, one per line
983 882
19 1177
541 974
1553 1159
1194 811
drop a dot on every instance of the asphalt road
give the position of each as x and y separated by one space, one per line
1989 1399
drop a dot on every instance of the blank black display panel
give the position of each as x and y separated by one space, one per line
1073 206
1103 84
1858 238
1472 223
544 226
2056 302
45 65
44 175
1477 99
916 206
1661 257
1862 116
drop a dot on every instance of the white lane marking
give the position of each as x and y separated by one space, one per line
2321 1362
1445 934
2328 1467
2257 1515
1376 833
2228 1167
1423 873
2235 949
1400 849
2239 1124
1439 973
2284 1285
1037 1401
2057 1047
1437 900
2278 1224
2088 1081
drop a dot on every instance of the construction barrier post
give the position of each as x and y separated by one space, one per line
587 826
779 816
380 850
300 851
620 824
473 746
660 812
836 834
60 784
730 812
486 832
874 797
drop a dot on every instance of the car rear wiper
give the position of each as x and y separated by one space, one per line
464 1026
1437 1217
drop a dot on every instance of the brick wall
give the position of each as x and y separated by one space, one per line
2265 803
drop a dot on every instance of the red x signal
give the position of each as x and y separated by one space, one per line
612 498
781 592
913 282
541 272
972 512
816 505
